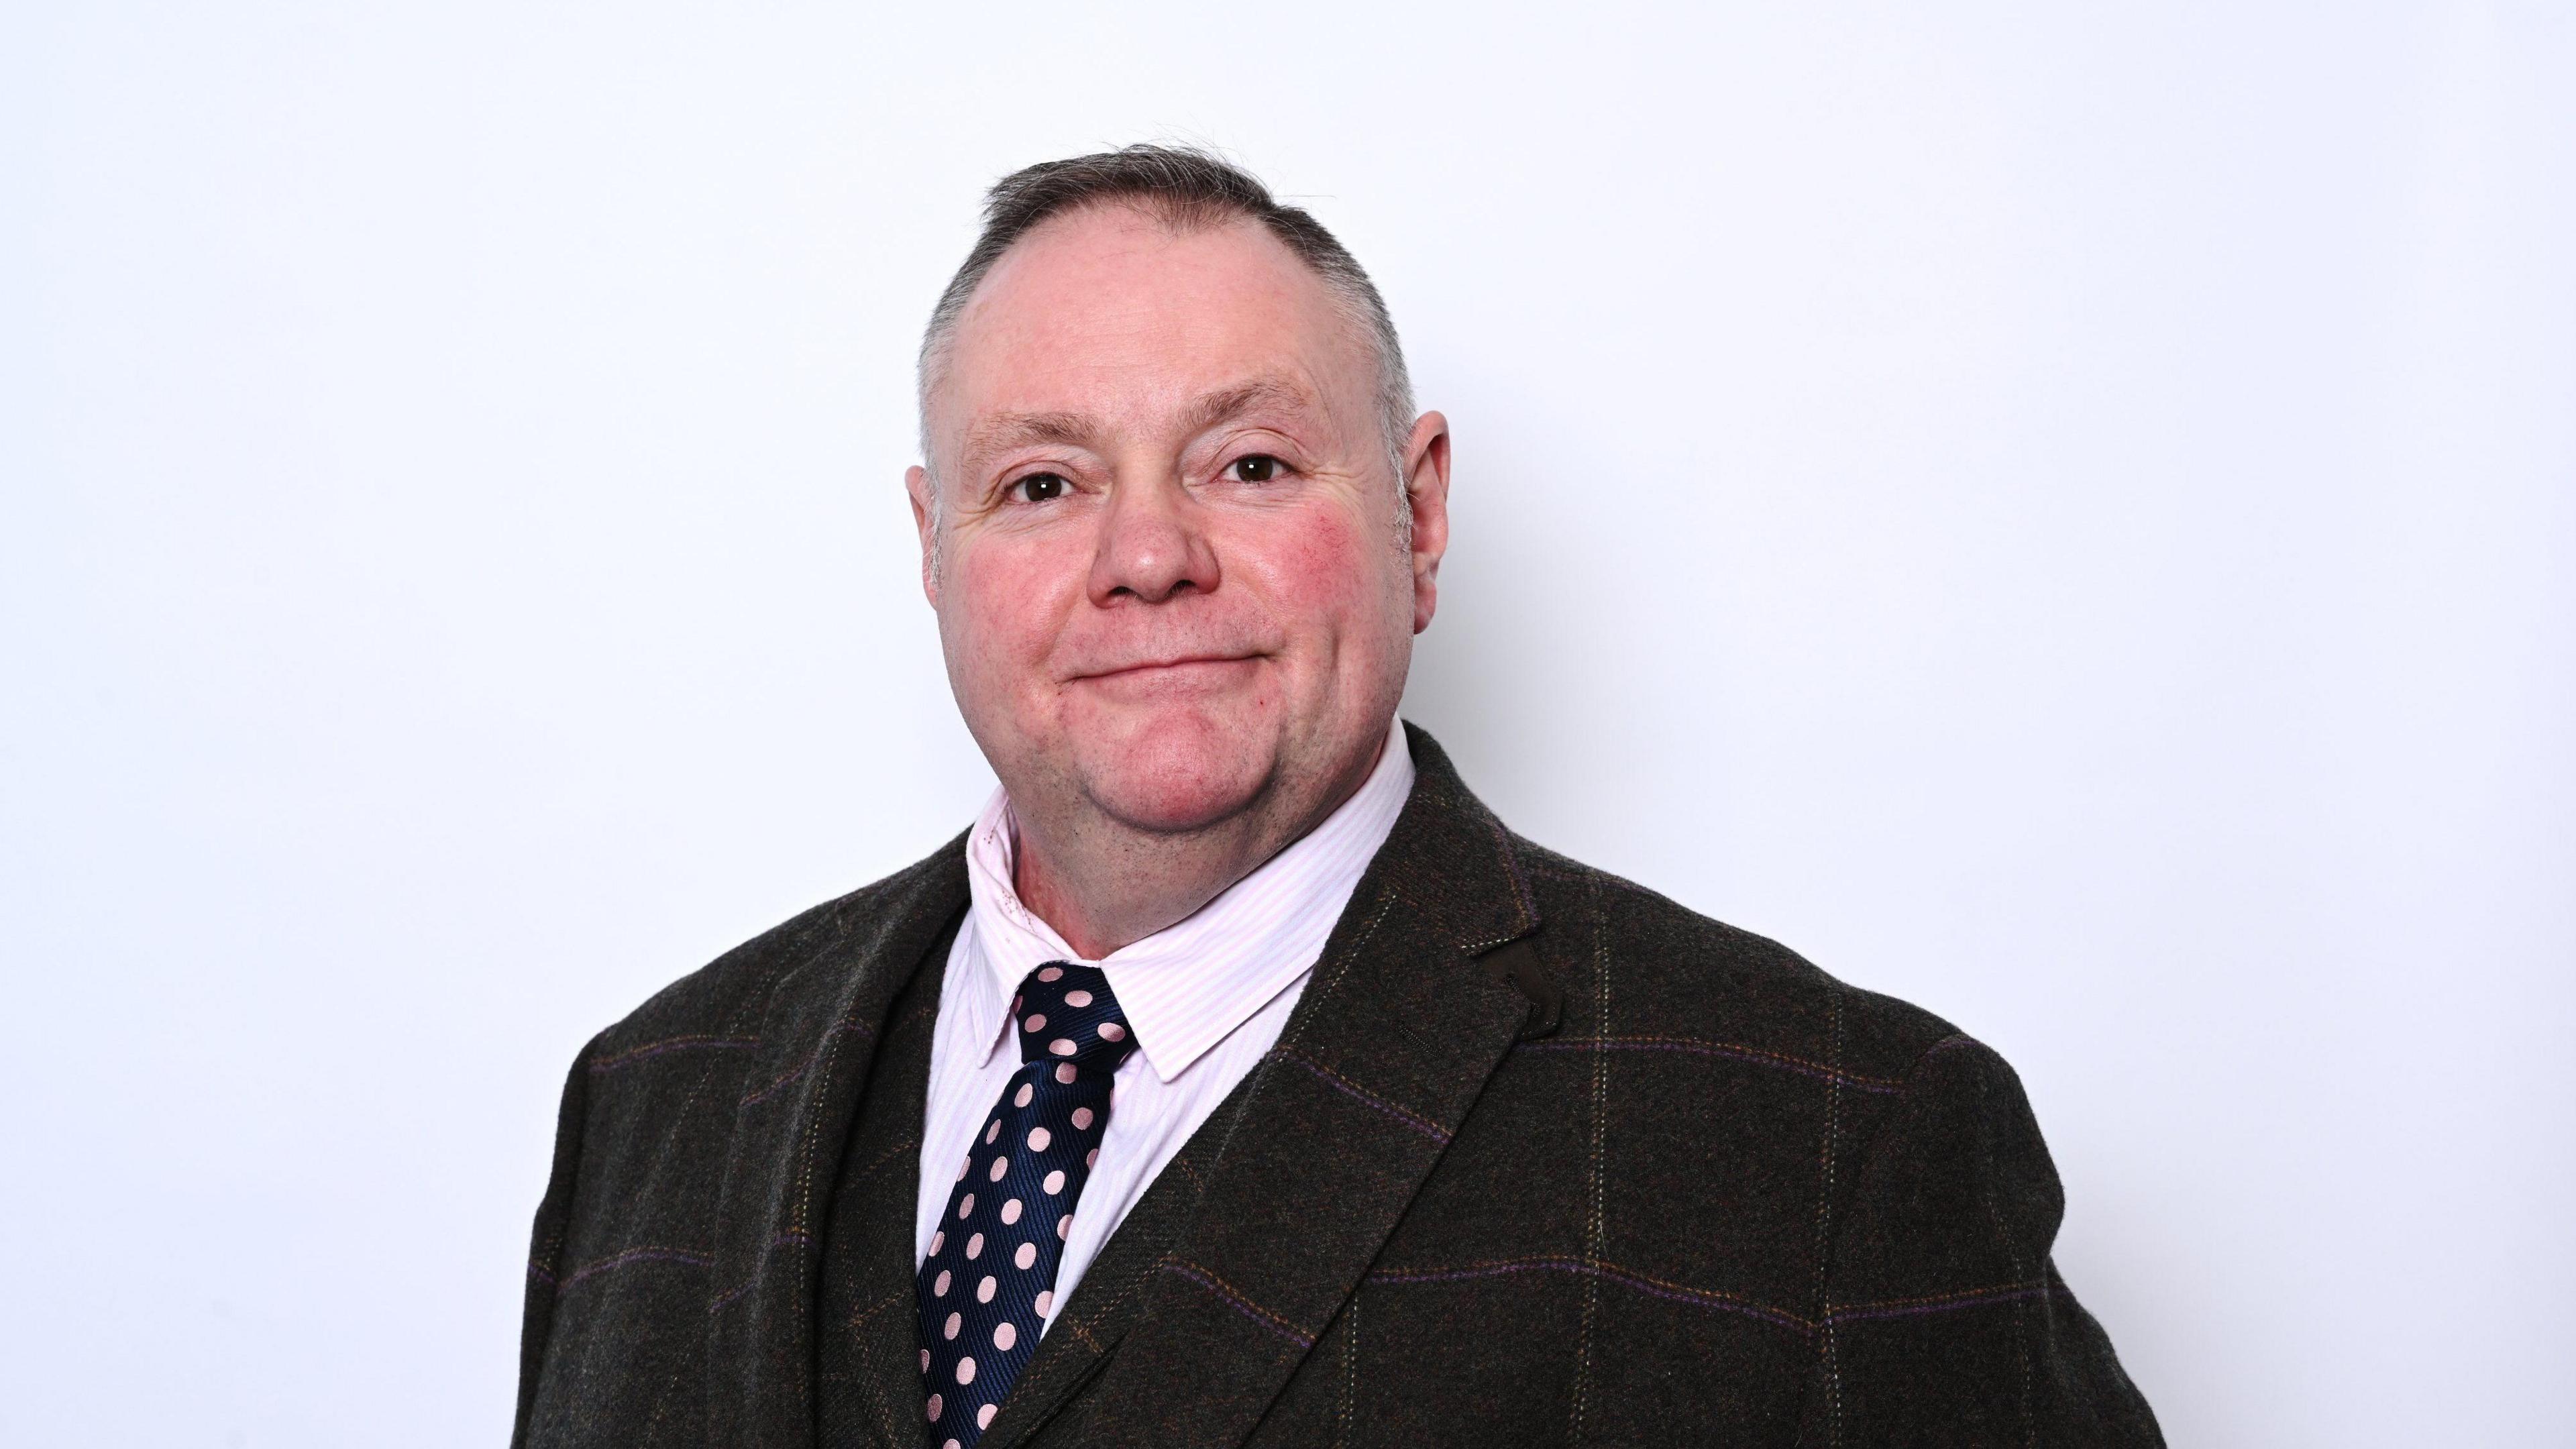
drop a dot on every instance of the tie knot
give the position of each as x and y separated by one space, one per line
1067 1013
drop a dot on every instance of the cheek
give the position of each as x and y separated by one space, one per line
999 607
1326 571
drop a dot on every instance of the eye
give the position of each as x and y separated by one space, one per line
1039 487
1254 468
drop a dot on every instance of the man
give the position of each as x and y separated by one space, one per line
1238 1078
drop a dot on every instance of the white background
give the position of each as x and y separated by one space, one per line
2065 518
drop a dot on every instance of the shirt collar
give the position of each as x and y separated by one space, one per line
1187 986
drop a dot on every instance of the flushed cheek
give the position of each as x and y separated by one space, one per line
1004 611
1319 577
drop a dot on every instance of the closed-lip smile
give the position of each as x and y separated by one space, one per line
1149 665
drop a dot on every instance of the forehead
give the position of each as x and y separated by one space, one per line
1109 313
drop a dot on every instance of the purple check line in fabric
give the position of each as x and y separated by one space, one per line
989 1279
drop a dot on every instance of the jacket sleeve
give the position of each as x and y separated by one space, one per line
545 1248
1944 1322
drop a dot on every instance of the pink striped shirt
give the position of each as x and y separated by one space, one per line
1205 997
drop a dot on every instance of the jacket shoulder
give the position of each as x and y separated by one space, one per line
1672 972
726 996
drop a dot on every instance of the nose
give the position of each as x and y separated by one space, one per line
1151 546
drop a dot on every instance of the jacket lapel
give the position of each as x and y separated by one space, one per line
875 1346
826 1012
1301 1178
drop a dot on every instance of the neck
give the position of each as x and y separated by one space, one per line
1104 884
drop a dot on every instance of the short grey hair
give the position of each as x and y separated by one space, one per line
1186 188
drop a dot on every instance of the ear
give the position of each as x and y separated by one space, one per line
917 485
1426 497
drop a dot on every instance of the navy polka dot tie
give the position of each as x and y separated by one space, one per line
989 1279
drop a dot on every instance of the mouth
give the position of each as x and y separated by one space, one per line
1153 671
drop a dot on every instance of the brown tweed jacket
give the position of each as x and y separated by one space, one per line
1540 1158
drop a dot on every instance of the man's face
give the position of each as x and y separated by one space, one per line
1170 580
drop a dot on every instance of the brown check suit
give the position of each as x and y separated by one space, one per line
1652 1181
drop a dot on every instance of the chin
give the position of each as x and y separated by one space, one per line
1177 771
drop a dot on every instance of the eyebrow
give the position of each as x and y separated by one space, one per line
1216 407
1020 430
